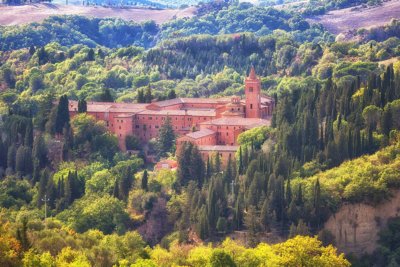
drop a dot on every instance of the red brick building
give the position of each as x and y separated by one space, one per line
216 122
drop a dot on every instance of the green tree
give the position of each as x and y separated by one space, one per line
166 138
90 55
106 96
219 258
148 95
171 94
140 96
62 117
252 223
82 106
145 178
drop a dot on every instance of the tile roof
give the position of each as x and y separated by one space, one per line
219 148
168 102
200 134
246 122
205 100
179 112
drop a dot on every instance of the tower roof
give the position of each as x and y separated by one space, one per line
252 75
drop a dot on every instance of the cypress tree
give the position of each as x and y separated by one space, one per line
125 183
32 50
28 138
145 180
239 211
22 235
51 193
140 96
197 168
20 160
265 215
90 55
317 203
241 167
148 96
62 117
39 151
288 192
44 178
67 191
217 162
106 96
208 169
166 137
386 121
11 155
82 106
3 155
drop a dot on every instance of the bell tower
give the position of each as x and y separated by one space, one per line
252 88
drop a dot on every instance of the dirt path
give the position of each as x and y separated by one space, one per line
15 15
344 20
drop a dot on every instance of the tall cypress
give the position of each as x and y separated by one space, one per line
62 117
145 180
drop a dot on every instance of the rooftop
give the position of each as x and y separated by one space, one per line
246 122
200 134
219 148
179 112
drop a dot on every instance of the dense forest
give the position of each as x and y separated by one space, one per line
69 197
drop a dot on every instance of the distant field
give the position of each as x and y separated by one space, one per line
15 15
345 20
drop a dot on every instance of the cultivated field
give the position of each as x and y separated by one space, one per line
346 20
14 15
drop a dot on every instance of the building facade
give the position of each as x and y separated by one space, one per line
212 124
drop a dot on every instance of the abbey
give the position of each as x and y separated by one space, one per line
213 124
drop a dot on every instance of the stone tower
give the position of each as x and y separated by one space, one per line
252 88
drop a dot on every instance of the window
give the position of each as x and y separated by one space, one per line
122 121
150 118
120 127
251 89
251 106
227 134
137 126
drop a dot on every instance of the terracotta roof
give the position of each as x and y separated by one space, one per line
164 112
200 134
109 106
219 148
199 113
246 122
168 102
175 101
131 110
98 108
205 100
179 112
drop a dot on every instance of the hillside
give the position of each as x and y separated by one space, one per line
182 97
17 15
350 19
